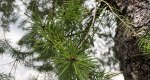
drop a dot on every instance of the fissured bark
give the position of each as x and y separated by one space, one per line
133 64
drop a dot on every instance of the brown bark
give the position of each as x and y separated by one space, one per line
133 64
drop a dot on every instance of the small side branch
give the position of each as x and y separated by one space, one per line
90 27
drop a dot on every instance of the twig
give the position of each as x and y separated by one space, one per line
15 62
6 39
92 24
128 26
13 66
8 63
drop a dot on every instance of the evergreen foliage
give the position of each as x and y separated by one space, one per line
54 42
60 35
144 44
6 77
59 39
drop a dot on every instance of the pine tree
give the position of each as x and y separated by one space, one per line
61 31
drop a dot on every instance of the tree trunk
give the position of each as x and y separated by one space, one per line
133 64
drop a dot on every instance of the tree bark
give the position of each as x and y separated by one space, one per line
133 64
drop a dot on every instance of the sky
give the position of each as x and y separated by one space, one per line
23 73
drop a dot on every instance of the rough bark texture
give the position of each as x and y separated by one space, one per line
133 65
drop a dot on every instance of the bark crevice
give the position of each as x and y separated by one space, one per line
133 64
